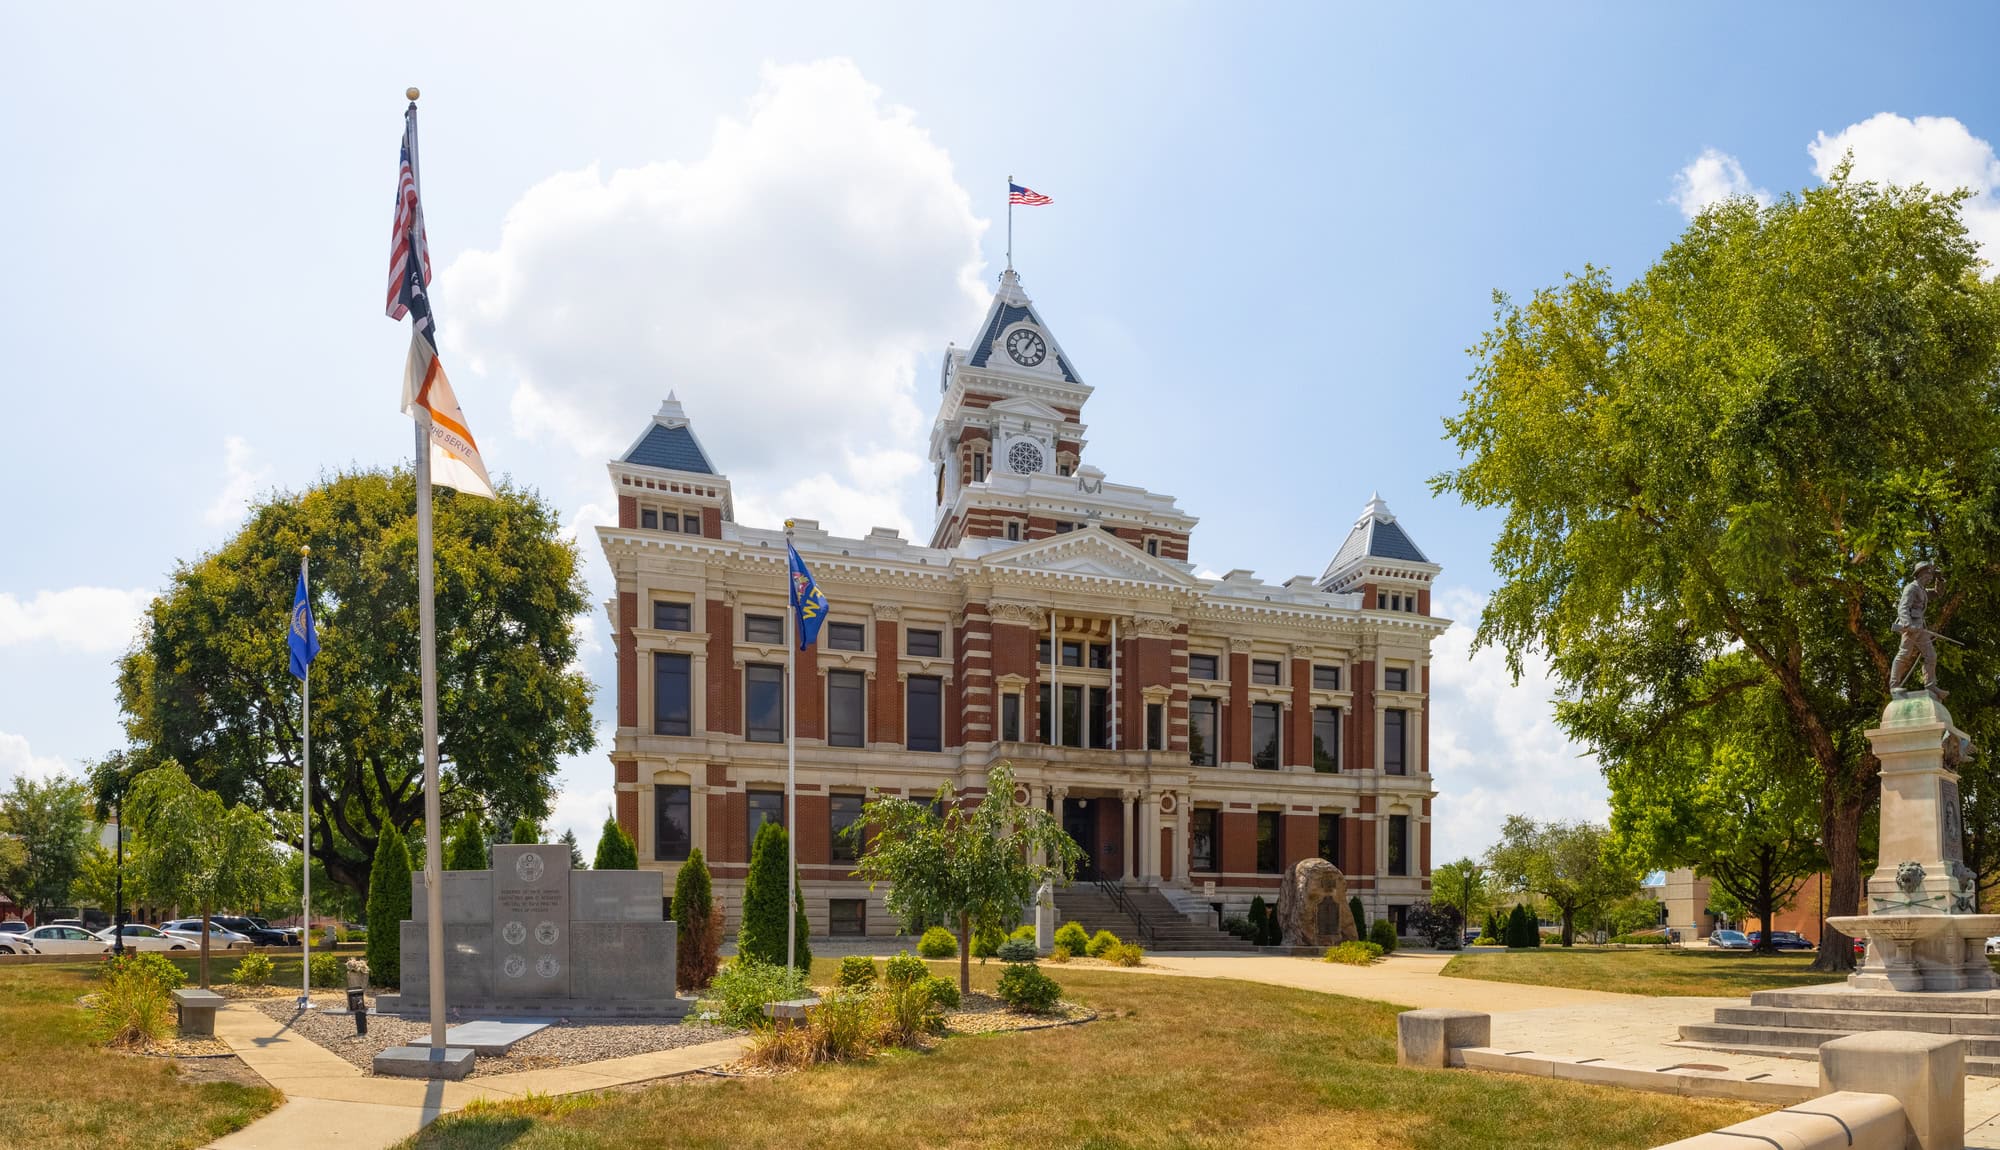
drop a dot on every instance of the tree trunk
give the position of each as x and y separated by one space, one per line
964 953
1569 925
1764 904
204 948
1843 859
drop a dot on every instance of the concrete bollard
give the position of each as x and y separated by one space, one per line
1427 1037
1925 1072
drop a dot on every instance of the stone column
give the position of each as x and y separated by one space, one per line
1148 824
1131 798
1181 858
648 820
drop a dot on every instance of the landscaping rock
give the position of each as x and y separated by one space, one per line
1312 906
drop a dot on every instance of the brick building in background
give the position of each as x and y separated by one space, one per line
1197 736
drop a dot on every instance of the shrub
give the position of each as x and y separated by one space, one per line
1259 920
388 906
467 849
1360 914
132 1006
856 970
1072 935
1520 930
911 1010
1494 928
1354 953
762 934
1100 942
698 939
1060 954
251 970
1125 954
1240 927
1025 987
615 850
1017 950
1487 940
525 831
1382 933
943 991
327 970
741 989
346 934
986 941
1437 925
937 942
844 1026
904 969
1025 930
147 964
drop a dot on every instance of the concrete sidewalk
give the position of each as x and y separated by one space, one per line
327 1097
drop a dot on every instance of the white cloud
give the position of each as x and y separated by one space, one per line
1711 177
18 761
242 479
1935 151
585 798
1495 747
87 619
793 285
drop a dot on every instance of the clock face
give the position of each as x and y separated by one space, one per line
1026 347
1025 458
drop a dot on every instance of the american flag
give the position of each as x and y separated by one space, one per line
1016 194
408 277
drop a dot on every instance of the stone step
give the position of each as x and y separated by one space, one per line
1858 1020
1986 1067
1975 1047
1838 996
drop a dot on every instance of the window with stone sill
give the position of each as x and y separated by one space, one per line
1264 671
673 823
1395 742
1010 717
764 703
673 616
1326 739
1396 679
843 811
845 706
1204 731
1268 854
764 629
1013 533
1265 722
762 807
1201 667
846 636
1205 840
925 644
1326 678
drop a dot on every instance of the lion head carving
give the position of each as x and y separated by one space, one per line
1909 876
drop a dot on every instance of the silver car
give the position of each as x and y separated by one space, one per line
139 936
65 940
220 937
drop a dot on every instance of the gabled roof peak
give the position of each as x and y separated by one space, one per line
669 442
1375 535
1010 306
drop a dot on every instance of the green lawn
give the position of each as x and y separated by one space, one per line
1653 970
62 1089
1175 1062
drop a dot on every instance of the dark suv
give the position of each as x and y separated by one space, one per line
1784 940
258 931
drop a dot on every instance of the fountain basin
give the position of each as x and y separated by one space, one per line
1922 952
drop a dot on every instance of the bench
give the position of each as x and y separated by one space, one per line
197 1011
789 1012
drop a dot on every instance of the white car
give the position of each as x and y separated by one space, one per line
65 940
139 936
14 941
1993 944
220 937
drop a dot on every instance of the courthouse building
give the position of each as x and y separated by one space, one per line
1197 736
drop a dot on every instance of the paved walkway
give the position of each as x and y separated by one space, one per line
329 1101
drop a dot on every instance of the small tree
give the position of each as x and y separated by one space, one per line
525 831
50 822
198 853
388 906
1572 864
761 935
615 850
467 850
576 859
970 863
698 942
1258 918
1360 914
1522 930
1461 886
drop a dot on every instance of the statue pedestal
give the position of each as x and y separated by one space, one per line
1922 928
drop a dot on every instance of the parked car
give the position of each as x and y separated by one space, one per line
65 940
14 926
219 937
1783 940
248 927
1729 940
139 936
16 941
1993 944
291 933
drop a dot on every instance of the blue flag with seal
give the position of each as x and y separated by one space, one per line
301 637
809 604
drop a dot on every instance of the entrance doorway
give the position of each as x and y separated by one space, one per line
1079 821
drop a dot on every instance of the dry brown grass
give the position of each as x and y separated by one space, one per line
1173 1063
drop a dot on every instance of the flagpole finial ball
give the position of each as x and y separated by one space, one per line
788 525
305 549
413 95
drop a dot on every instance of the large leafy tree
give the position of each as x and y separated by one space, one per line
974 863
199 854
208 684
1570 864
1723 790
1464 886
47 824
1746 448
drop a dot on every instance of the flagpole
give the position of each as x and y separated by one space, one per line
1010 223
305 806
791 761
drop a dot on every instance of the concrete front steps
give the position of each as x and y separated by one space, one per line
1172 930
1793 1023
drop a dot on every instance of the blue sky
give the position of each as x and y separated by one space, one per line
1274 235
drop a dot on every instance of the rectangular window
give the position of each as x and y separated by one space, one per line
673 616
1100 716
978 467
1381 600
1399 844
649 518
672 522
763 807
1264 671
1013 533
846 694
1204 732
846 636
1399 917
847 917
1042 652
1065 528
1326 739
845 811
763 628
1267 842
1153 547
1201 667
1205 840
925 700
673 694
1156 727
1329 838
1042 715
1264 724
1072 716
1072 654
1393 742
673 824
764 703
1100 656
1010 717
925 644
1326 678
1396 679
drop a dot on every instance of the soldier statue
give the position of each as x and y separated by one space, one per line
1910 624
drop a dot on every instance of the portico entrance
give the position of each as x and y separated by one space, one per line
1079 821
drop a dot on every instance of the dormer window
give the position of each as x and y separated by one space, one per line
1062 469
1013 532
979 467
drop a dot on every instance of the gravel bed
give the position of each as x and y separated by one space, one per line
564 1043
984 1014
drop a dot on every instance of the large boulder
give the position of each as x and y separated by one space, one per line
1312 906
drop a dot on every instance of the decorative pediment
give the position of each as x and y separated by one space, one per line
1088 552
1022 407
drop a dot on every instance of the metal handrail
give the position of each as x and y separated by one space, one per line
1116 893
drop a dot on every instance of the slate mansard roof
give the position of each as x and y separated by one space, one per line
669 443
1376 535
1004 316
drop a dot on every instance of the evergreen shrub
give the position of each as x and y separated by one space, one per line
388 906
856 970
1360 914
1025 987
762 934
698 937
938 942
904 969
1017 950
1382 933
1100 942
1072 935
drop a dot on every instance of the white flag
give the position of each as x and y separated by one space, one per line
455 461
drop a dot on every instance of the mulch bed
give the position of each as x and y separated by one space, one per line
984 1014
